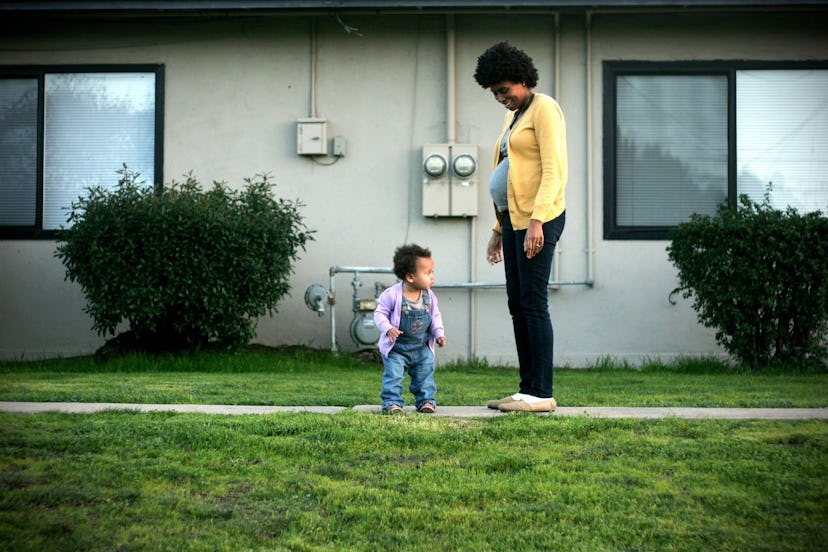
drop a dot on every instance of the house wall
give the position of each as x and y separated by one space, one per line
236 87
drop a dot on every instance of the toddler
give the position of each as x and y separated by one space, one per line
410 324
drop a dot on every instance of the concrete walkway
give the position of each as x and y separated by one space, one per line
442 411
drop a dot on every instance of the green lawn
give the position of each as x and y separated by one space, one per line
122 480
268 377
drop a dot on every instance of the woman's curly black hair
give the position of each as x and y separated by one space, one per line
405 259
503 62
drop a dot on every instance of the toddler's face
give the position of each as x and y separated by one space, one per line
423 276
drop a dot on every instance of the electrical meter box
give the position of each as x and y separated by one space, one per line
450 180
312 137
436 180
463 193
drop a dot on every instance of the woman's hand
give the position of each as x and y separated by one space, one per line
533 242
494 251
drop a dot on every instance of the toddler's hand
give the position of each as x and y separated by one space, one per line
393 334
441 341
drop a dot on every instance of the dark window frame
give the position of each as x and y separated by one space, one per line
612 69
39 73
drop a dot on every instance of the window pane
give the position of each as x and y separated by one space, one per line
94 123
671 148
782 137
18 152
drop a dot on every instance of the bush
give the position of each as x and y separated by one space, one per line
185 268
759 276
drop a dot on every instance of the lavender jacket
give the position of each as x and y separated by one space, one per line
388 312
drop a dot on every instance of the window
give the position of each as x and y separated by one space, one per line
682 138
64 130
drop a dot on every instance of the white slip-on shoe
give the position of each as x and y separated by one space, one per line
494 404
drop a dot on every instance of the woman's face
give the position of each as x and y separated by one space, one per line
510 94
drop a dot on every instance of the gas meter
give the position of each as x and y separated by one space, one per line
363 329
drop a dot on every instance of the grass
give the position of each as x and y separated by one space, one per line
122 480
311 378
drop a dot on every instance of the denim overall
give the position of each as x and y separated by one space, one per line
412 353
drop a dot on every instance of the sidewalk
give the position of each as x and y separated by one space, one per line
442 411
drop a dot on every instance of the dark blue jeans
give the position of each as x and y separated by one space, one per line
527 292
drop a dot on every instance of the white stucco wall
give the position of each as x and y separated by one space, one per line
235 88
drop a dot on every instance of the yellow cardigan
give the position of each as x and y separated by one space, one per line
537 163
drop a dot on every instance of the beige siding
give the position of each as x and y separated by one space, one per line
235 89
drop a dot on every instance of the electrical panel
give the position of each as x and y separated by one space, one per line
450 180
312 137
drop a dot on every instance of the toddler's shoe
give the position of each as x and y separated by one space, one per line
427 408
544 405
393 409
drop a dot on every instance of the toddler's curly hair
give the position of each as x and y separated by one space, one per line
405 259
503 62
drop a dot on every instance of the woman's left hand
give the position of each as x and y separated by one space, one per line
533 242
494 251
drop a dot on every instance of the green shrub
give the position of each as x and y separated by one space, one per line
759 276
184 267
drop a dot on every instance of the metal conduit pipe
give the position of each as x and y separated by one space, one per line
357 270
590 191
451 138
556 91
552 284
